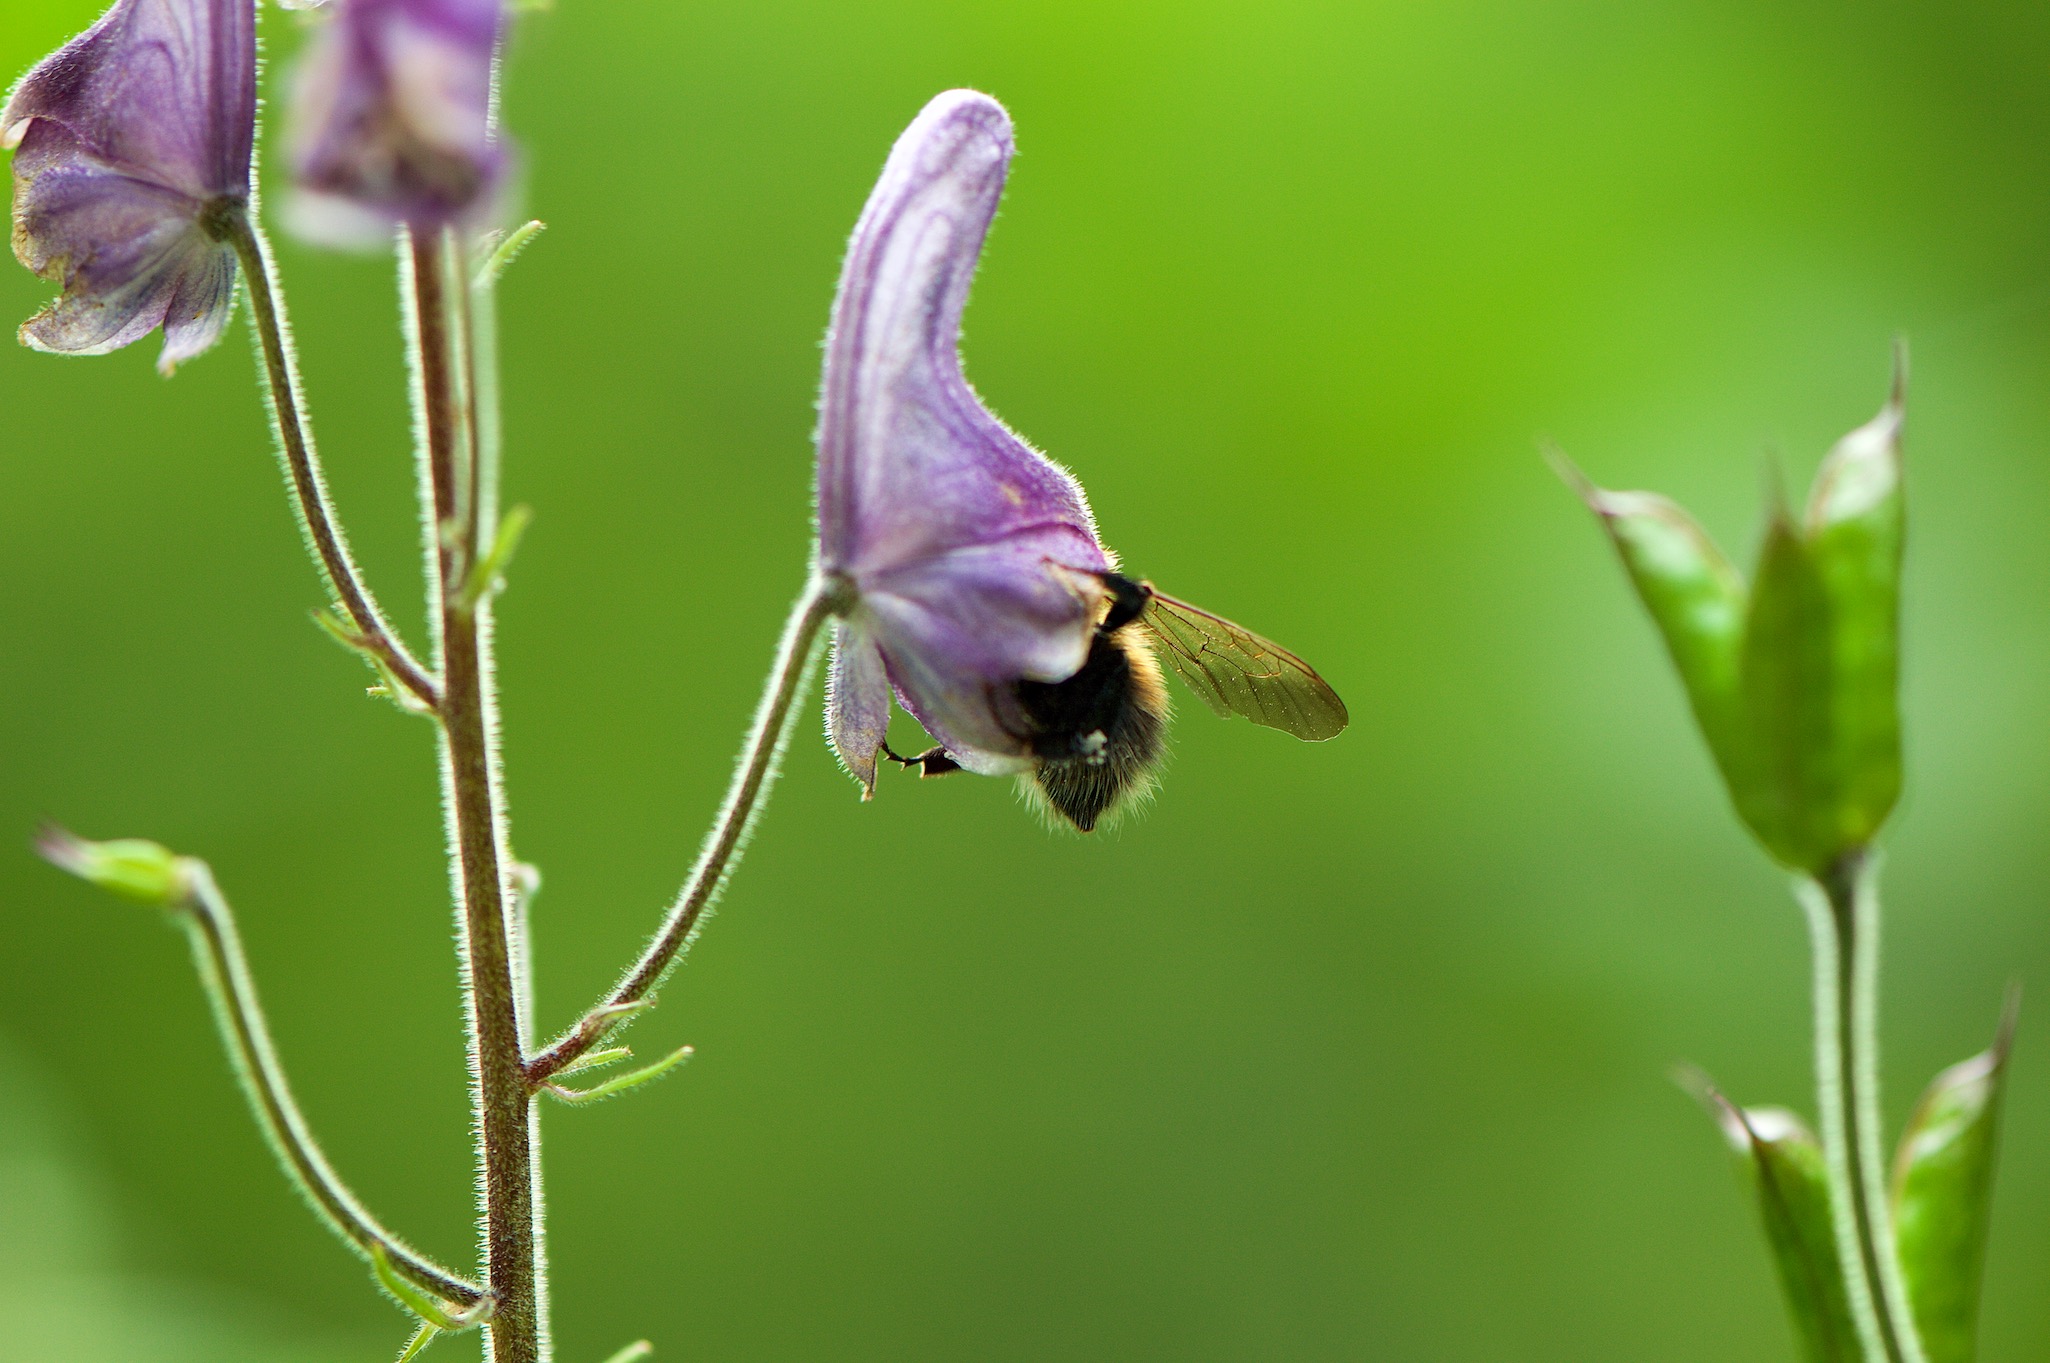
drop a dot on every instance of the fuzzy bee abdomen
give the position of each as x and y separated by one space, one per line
1099 734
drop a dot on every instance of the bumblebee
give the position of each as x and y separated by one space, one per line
1097 738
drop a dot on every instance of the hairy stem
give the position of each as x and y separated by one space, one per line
224 970
302 464
822 597
1843 920
517 1332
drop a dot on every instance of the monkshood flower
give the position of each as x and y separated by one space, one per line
392 119
131 158
968 557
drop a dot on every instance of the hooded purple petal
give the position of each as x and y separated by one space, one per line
970 552
392 118
130 141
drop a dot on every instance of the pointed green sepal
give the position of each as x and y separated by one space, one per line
1942 1194
1694 594
1856 529
431 1310
632 1079
130 867
1793 680
1784 1165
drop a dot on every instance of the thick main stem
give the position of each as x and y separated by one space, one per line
504 1103
302 463
756 772
1843 918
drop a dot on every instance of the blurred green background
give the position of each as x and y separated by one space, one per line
1352 1052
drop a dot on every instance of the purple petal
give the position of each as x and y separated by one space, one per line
162 89
959 629
200 307
391 117
125 251
857 703
128 139
910 462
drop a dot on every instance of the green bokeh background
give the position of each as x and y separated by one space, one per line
1351 1052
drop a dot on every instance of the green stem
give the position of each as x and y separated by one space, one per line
505 1107
752 779
302 461
224 970
1843 919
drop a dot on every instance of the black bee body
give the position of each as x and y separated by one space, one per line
1095 739
1099 734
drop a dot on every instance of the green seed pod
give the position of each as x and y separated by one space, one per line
1793 680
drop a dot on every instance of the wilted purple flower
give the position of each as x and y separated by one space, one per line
392 118
969 556
132 146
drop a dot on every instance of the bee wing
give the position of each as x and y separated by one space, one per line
1236 672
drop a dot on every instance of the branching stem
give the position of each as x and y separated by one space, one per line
822 598
223 969
302 464
517 1331
1843 920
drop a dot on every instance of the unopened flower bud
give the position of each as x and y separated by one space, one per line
391 119
130 867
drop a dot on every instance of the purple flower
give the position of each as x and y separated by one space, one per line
392 118
968 556
132 146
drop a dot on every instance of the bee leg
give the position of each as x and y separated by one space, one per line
933 763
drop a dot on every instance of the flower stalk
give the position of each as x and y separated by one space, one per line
185 886
285 400
823 596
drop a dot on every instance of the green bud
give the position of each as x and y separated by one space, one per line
1794 680
1942 1193
1785 1167
142 871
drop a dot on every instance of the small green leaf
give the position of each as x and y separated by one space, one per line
142 871
508 248
431 1310
593 1059
420 1340
632 1079
1787 1171
488 573
633 1353
1942 1194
